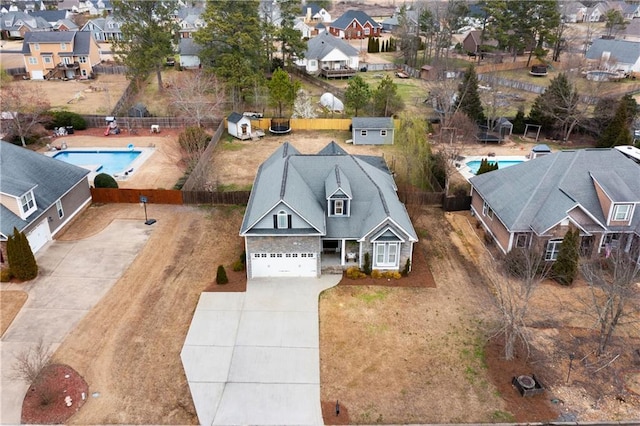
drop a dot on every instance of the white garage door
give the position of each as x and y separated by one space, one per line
37 75
284 265
39 236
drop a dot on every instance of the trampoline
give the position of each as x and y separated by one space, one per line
280 126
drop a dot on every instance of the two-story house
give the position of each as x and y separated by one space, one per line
104 29
14 25
534 203
189 20
38 194
309 213
64 54
355 24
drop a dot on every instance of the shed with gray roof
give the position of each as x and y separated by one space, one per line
372 130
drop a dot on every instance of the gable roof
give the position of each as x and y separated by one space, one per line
372 122
539 193
302 182
188 46
234 117
350 15
50 15
15 20
321 45
81 40
22 170
626 52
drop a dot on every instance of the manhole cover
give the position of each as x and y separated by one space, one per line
526 382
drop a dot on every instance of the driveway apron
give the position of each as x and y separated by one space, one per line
253 358
73 277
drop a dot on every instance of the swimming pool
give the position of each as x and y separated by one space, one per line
474 165
112 162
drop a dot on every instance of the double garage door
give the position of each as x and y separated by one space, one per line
284 265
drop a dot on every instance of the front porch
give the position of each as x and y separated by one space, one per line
338 255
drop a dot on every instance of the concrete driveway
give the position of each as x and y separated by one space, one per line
253 358
73 277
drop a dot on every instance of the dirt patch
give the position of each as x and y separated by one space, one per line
59 393
11 302
97 96
128 346
334 413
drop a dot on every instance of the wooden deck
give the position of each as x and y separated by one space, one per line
340 73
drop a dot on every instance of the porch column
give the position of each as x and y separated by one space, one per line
343 246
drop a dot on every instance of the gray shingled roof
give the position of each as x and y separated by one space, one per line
300 182
539 193
188 46
21 170
350 15
321 45
624 52
234 117
372 122
81 40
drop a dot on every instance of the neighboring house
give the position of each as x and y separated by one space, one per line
573 11
65 25
355 24
38 194
534 203
305 29
189 51
392 23
632 31
104 29
471 43
597 12
324 212
51 16
615 55
372 130
75 6
328 54
314 13
14 25
189 21
60 54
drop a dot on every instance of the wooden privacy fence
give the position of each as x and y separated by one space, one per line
118 195
421 197
145 122
200 172
456 204
307 123
209 197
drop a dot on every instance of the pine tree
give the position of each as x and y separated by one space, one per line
565 268
486 166
20 256
468 98
519 123
617 132
221 275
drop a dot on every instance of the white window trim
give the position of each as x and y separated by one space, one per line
283 220
60 209
486 210
384 249
47 59
25 200
338 207
627 214
36 46
63 46
383 133
552 249
33 60
518 238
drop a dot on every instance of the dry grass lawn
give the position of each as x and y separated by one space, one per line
11 302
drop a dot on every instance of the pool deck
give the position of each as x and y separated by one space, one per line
465 171
132 168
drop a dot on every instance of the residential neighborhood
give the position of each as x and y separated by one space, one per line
319 212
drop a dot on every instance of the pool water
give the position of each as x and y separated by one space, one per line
111 162
474 165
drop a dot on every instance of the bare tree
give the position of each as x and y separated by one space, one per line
27 106
302 107
31 361
197 96
615 297
520 275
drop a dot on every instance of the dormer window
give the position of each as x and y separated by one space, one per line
27 203
282 220
338 207
621 212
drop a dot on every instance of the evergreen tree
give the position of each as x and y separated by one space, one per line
22 262
357 95
282 90
617 132
291 42
487 166
565 268
221 275
104 180
558 107
468 100
386 100
518 122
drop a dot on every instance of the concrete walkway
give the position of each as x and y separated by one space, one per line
253 358
73 277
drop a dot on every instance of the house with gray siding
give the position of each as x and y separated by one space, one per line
323 212
534 203
39 195
372 130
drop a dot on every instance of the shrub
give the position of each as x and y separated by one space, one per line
407 267
21 259
366 266
565 268
193 139
5 275
67 118
395 275
354 273
104 180
376 274
238 265
221 275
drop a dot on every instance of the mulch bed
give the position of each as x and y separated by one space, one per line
335 413
45 403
